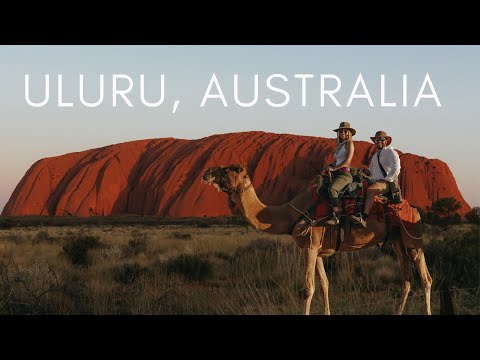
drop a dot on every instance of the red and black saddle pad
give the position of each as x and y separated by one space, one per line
322 207
403 211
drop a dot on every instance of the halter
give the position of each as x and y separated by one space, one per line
230 190
225 186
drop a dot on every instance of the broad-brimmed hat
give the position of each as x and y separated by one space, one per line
382 134
346 125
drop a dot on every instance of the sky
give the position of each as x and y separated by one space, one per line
28 133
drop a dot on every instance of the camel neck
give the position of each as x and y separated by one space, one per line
251 206
271 219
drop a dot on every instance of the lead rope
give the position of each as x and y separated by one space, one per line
310 226
403 226
400 219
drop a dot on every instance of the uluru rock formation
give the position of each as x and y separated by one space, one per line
162 176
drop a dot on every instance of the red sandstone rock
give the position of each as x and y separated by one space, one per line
162 176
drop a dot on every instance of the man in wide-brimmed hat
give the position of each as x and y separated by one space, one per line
384 169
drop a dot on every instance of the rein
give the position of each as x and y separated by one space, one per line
309 228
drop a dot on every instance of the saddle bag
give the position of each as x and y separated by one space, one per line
395 191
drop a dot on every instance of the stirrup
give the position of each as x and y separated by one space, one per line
358 220
357 217
333 220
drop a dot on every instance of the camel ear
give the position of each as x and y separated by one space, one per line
241 168
237 168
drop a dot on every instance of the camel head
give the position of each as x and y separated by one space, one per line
229 179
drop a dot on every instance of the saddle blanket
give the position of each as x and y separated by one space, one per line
403 211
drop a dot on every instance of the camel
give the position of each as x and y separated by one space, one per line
319 241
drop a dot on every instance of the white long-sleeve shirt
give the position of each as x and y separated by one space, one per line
390 162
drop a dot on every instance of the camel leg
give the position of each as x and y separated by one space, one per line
404 263
322 275
310 256
419 258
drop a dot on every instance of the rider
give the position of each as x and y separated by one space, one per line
384 169
340 169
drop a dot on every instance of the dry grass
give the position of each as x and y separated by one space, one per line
190 269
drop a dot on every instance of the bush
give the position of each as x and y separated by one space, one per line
6 224
239 220
203 224
181 236
192 267
128 273
77 250
42 236
446 207
473 216
444 212
455 259
138 244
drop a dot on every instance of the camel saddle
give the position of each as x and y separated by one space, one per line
352 198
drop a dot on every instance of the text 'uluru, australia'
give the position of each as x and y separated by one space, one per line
274 90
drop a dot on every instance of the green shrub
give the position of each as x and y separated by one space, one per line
181 236
42 235
192 267
473 216
455 259
238 220
138 244
444 212
6 224
203 224
77 250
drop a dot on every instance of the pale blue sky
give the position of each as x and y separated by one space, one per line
448 133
